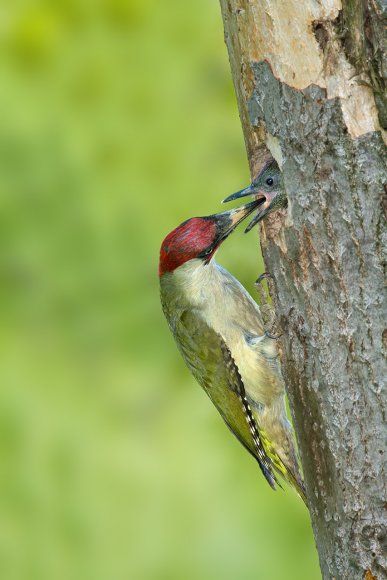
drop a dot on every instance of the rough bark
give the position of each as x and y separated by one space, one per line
310 83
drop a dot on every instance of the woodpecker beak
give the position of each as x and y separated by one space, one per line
263 199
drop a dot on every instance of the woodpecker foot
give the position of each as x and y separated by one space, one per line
263 277
273 336
268 312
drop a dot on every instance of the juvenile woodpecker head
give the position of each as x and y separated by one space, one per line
200 237
268 187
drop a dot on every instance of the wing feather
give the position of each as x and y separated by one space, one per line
211 362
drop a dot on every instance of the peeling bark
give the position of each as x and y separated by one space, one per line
310 90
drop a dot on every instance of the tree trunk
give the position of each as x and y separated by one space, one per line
310 88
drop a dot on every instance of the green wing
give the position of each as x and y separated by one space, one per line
213 366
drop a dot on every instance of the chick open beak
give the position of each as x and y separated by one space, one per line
228 220
265 205
250 190
262 199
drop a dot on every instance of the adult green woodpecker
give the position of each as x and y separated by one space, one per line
219 331
268 187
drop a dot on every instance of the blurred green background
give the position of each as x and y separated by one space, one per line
119 121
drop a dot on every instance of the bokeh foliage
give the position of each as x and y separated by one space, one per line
118 121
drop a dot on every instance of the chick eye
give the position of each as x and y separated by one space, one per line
269 181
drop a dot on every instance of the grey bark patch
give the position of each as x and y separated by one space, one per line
328 289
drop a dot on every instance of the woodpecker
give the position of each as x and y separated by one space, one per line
268 187
220 333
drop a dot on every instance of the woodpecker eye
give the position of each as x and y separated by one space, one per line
207 252
269 181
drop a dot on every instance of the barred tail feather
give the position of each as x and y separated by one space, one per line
236 384
288 475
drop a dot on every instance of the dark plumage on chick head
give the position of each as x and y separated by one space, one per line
268 186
